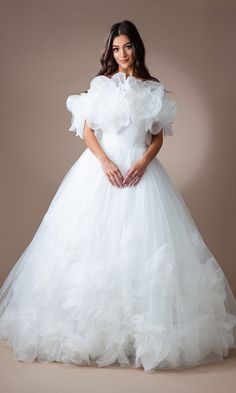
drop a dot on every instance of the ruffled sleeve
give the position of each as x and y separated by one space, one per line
83 107
78 106
164 118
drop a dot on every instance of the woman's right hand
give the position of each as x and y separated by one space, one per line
112 172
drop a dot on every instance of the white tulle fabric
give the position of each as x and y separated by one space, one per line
113 103
118 275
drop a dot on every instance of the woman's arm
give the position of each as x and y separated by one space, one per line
154 147
92 143
109 167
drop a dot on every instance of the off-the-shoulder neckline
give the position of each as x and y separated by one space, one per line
120 78
123 75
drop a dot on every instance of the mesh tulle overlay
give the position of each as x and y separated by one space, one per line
118 275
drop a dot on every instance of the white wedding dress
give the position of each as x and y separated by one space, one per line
118 275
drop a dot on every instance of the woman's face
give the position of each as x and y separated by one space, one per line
123 53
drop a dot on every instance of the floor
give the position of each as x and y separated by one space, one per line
35 377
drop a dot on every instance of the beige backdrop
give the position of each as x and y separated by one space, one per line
51 49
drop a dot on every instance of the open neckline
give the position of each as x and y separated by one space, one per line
123 75
120 78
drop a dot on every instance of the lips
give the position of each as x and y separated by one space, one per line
124 61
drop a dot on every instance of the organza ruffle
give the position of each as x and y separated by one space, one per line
112 103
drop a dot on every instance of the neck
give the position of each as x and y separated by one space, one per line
128 72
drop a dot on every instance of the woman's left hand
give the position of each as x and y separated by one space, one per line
135 173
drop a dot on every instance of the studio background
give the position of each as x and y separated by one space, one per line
51 49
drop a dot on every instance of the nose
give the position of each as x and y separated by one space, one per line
123 52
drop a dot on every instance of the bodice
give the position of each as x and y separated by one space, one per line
133 135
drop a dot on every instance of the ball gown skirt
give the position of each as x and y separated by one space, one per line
118 275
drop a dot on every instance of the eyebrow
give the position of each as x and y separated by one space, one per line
129 42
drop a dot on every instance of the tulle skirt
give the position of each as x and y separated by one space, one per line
118 275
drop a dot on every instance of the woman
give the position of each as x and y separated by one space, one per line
117 271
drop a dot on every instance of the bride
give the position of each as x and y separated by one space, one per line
117 271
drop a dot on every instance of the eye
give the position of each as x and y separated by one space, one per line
129 46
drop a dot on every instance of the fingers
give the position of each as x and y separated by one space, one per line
115 178
130 176
132 180
119 177
135 181
111 179
116 182
113 173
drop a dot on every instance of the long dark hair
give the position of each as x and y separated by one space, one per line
108 63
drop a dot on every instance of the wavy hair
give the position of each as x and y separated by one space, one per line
108 64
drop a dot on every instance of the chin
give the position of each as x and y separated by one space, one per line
125 66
